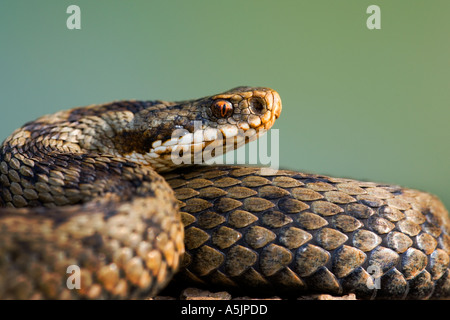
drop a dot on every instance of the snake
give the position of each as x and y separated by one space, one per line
115 201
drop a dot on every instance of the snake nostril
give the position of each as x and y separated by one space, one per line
257 106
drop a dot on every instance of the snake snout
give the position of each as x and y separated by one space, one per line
276 104
273 108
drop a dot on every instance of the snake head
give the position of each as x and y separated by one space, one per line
191 127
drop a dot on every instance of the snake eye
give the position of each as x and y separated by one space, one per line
222 108
257 106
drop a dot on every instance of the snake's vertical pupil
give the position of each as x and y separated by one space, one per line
222 108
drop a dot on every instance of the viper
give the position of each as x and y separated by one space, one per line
110 201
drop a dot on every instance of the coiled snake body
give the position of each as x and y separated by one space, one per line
80 189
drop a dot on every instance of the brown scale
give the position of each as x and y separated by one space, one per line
290 233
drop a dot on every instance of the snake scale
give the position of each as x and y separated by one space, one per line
97 188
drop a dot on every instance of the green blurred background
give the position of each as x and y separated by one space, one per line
359 103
